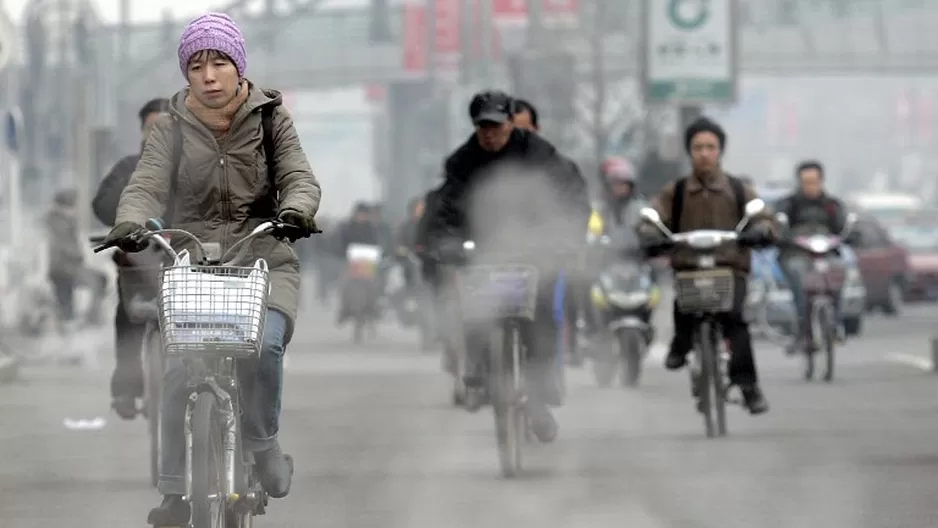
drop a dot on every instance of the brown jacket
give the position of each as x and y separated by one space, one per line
223 187
707 205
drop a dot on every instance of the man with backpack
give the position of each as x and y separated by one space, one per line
127 379
712 199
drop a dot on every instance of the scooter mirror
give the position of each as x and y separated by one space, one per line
754 207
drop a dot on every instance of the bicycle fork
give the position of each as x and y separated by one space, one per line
229 441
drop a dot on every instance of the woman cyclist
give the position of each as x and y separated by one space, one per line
220 191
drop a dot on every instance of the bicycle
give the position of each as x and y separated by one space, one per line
822 284
504 293
212 314
707 292
142 274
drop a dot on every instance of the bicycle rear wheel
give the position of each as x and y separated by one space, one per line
208 500
505 351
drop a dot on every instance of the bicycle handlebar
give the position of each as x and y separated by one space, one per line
272 227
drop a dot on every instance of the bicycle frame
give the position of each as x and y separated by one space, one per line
707 370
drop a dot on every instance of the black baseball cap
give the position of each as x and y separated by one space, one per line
490 107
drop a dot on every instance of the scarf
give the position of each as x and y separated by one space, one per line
218 120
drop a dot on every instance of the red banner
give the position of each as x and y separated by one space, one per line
414 37
517 10
447 27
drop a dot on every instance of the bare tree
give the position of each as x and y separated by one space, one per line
611 109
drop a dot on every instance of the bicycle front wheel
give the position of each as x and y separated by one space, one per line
154 394
208 498
828 339
505 349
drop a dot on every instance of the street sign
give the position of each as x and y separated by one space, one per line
13 129
7 39
690 51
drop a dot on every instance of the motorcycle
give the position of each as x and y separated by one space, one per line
822 284
360 289
622 300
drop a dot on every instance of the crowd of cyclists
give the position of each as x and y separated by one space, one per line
222 155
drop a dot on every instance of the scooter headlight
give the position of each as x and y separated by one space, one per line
629 300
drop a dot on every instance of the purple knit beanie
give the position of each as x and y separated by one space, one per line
212 31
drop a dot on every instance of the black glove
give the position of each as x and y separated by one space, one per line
757 236
126 236
306 225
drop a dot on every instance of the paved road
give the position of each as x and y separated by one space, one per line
377 446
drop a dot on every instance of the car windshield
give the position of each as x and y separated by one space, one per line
917 238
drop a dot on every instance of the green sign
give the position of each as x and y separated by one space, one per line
690 54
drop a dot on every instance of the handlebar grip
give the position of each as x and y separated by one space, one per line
103 247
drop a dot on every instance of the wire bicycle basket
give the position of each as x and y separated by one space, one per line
705 291
499 292
213 311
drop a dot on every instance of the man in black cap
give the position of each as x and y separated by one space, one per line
510 191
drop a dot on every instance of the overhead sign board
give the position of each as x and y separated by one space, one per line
690 53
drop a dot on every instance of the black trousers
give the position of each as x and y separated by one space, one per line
742 366
64 290
127 379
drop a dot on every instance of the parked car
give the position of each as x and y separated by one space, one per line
884 265
919 237
886 208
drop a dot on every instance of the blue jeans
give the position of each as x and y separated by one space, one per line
261 385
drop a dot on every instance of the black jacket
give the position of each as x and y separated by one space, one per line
811 216
526 194
109 190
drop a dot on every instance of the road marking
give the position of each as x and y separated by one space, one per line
912 360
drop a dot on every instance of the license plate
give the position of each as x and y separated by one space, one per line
703 282
706 261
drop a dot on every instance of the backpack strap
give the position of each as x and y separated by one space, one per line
677 202
267 126
739 190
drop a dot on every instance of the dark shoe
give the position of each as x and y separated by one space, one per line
173 511
476 394
125 407
754 399
275 471
543 424
676 359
